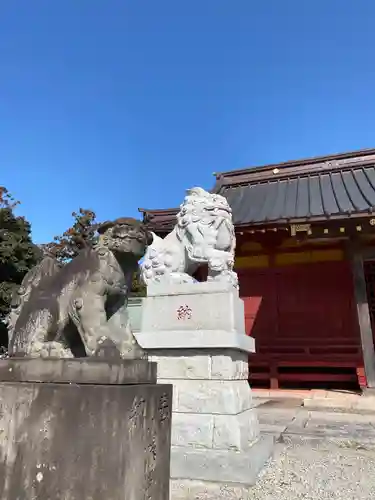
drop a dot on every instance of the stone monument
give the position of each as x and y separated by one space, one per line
196 333
81 415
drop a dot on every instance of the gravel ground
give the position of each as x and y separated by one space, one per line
317 471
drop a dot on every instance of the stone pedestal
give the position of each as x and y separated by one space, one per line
195 333
82 429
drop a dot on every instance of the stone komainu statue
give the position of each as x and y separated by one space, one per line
64 311
203 235
47 267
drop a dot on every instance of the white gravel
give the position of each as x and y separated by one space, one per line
317 472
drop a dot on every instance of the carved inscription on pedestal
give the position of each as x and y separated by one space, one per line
184 312
136 412
164 408
151 453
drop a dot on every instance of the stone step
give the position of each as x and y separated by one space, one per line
358 404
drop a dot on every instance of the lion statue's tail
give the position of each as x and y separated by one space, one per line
48 266
153 264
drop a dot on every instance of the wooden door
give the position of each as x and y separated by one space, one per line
258 290
315 301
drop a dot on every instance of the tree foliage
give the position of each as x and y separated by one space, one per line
82 234
138 289
7 200
17 254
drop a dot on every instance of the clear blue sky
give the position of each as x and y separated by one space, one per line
116 104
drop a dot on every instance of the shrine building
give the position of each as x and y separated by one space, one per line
305 259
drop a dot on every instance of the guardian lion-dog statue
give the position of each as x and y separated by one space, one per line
204 235
64 311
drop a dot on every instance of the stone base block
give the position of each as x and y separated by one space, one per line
221 397
83 429
195 364
196 335
208 306
217 451
219 432
221 466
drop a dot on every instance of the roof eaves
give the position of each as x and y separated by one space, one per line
257 175
159 211
353 157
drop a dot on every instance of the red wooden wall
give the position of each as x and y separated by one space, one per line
303 318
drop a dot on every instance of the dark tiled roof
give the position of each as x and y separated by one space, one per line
321 188
161 221
320 195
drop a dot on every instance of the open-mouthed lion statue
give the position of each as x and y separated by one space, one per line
203 235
